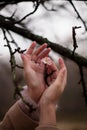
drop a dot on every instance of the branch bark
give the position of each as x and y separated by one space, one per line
14 1
80 60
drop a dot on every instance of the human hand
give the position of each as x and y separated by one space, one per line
34 70
51 70
52 94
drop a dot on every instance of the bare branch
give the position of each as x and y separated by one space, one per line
74 38
6 2
13 14
85 3
13 41
13 63
36 7
55 46
79 16
19 50
18 89
20 67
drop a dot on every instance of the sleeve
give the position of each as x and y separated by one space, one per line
48 127
16 119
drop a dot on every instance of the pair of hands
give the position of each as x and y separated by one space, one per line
35 70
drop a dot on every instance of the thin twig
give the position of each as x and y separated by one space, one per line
74 38
36 7
13 64
79 16
18 89
19 50
85 3
13 41
20 67
13 13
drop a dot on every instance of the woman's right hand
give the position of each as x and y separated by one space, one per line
52 94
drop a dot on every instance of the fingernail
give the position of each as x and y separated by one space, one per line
60 59
45 44
34 42
49 49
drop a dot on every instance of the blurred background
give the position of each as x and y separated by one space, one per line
53 19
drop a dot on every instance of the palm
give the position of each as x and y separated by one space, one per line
51 71
35 74
34 69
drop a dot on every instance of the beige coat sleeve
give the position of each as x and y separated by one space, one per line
16 119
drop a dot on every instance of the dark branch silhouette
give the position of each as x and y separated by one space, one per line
79 16
17 91
40 40
36 7
74 38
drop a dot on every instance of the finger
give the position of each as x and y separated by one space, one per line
50 80
27 68
54 75
25 60
61 63
60 81
40 49
44 53
62 76
51 67
31 48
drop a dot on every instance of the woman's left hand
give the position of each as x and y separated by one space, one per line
34 70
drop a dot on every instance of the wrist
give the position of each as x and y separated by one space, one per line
27 110
27 100
35 96
47 114
31 109
28 92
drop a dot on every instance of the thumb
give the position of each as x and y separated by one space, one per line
60 81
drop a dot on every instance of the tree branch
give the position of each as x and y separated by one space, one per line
79 16
13 65
80 60
13 41
4 2
74 38
36 7
17 91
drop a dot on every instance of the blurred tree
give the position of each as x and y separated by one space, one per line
19 26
